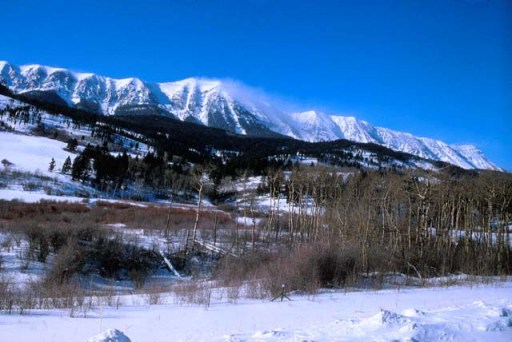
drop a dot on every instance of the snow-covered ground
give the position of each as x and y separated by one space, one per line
33 197
26 176
30 153
466 312
462 313
470 312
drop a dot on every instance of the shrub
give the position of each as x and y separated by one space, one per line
6 295
69 261
116 259
58 238
39 242
234 271
306 268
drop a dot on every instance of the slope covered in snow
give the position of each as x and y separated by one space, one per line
29 153
223 104
463 313
315 126
467 157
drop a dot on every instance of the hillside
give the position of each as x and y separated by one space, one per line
197 143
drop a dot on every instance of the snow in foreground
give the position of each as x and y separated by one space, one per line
462 313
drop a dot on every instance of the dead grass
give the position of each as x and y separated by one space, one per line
193 292
153 293
69 215
43 295
12 210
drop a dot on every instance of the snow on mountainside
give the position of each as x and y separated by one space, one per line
357 130
467 156
222 104
199 100
315 126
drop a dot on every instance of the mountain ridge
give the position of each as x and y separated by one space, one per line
222 104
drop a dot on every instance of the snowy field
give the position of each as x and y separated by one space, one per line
470 312
30 153
461 313
33 197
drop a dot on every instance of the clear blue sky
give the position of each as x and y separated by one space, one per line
436 68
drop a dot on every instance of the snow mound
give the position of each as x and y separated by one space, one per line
476 321
501 325
111 335
386 317
270 334
503 320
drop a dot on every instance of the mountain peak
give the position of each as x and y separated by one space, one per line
309 114
190 84
3 64
31 68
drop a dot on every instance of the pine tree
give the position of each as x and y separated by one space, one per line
66 167
81 168
72 145
51 167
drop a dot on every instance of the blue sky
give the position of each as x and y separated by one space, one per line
435 68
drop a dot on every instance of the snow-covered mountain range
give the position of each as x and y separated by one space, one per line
222 104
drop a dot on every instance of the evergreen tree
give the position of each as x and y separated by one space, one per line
66 167
81 168
72 145
51 167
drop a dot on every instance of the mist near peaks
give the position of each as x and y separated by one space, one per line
258 96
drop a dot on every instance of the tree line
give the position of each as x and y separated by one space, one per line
427 223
